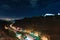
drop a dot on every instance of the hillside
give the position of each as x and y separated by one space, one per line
49 25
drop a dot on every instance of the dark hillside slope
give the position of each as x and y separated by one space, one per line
49 25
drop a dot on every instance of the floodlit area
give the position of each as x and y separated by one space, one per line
26 34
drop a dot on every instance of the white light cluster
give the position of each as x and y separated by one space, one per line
58 13
9 19
50 14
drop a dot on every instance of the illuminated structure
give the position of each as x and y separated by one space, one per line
49 14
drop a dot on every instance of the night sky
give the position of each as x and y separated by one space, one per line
28 8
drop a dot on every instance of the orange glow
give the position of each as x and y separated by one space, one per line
44 38
36 33
28 31
6 27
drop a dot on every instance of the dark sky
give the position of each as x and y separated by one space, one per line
28 8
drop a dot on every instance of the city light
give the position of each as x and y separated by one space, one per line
49 14
44 38
36 34
6 27
19 36
58 13
30 35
